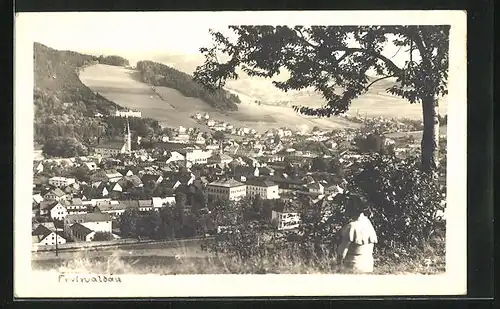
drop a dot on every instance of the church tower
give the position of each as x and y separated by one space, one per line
128 139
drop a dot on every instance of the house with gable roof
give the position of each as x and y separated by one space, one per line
55 195
43 235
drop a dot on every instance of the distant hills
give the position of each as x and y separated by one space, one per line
376 102
261 89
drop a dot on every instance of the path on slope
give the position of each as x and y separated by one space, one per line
123 86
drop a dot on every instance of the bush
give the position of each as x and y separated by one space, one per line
102 236
403 199
403 202
64 147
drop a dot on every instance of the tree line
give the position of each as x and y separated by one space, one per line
113 60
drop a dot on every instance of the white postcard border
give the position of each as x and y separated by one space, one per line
30 283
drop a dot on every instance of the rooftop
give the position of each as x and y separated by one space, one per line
58 192
229 183
145 203
173 146
219 157
112 173
110 144
80 229
89 217
260 183
48 205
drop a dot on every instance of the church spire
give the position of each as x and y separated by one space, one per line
128 138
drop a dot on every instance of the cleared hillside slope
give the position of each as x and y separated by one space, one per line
172 108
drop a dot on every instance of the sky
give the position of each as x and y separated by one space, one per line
137 35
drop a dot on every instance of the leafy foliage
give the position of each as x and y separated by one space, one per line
159 74
313 146
113 60
319 165
322 57
145 127
64 147
102 236
336 61
404 199
371 143
218 136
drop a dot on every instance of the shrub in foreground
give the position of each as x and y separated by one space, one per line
403 200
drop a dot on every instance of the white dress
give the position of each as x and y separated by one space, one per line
359 237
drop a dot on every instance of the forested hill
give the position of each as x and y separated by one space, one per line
56 74
65 109
159 74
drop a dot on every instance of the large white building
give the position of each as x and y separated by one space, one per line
227 189
61 182
128 113
265 189
196 156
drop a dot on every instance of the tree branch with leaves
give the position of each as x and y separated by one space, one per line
336 61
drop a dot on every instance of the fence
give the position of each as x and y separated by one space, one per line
111 243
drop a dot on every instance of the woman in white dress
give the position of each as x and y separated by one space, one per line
355 252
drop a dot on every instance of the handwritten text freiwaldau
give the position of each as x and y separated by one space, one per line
67 278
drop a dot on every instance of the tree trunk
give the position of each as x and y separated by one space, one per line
430 136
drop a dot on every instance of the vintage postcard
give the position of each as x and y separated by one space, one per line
191 154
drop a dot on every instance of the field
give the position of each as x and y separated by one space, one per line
171 108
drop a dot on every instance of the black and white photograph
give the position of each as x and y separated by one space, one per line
188 154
